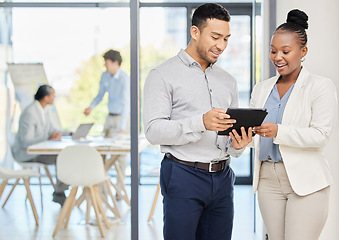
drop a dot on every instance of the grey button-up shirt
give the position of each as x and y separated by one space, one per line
176 95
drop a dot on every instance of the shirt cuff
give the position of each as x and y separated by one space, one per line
197 124
235 152
279 133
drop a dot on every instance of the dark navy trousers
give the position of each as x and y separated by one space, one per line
198 205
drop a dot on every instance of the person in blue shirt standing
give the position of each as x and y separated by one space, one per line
117 83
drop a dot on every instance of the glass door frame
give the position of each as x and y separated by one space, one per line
235 9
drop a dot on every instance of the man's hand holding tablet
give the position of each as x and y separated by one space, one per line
240 141
217 120
241 130
245 117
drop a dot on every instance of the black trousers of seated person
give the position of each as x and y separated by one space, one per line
60 187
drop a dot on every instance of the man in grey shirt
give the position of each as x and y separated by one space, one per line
184 106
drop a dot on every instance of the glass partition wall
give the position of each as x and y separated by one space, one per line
70 39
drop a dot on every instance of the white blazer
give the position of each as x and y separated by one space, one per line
32 129
308 120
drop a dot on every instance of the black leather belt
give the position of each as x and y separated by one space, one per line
211 167
113 114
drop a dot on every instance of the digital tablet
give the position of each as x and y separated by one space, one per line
246 117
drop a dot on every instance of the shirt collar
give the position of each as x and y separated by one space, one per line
188 60
42 111
116 75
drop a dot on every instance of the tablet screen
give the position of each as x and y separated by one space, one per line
246 117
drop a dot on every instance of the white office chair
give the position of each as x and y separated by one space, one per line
34 166
81 165
37 166
25 174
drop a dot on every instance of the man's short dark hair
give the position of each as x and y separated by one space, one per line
209 11
113 55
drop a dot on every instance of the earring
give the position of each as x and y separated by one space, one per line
302 59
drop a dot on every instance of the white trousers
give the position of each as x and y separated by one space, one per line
286 215
111 129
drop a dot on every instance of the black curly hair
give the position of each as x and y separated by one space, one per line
43 90
296 22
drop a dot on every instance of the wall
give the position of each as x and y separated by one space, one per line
322 59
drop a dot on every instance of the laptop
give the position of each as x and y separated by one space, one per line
82 131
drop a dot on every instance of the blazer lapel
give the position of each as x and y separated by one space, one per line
38 115
295 96
266 90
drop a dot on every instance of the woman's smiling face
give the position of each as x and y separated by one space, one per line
287 52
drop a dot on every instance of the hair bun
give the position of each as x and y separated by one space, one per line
298 17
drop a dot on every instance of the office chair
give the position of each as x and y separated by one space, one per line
81 165
25 174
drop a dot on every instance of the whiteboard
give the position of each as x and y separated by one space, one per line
27 78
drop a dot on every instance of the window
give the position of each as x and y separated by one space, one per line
71 48
43 31
159 41
40 35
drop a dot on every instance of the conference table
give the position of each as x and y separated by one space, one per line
111 147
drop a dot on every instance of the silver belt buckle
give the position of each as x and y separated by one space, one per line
210 166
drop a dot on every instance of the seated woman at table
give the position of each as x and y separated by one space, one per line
34 127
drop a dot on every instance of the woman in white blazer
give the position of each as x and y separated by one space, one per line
291 173
34 127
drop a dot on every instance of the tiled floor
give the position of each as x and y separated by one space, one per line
17 221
